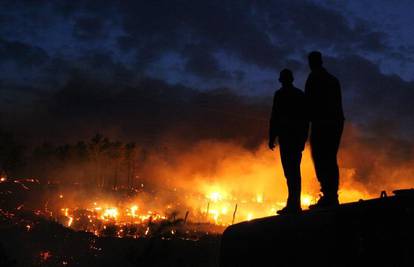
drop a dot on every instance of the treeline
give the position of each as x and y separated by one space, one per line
11 155
99 162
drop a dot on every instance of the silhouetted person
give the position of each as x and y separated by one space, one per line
288 122
323 95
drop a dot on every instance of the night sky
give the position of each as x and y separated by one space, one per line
141 68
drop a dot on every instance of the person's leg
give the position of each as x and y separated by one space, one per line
318 152
332 181
325 138
291 167
294 180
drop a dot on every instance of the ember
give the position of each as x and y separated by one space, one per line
45 255
195 202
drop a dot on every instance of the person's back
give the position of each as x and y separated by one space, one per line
324 101
290 116
289 123
323 92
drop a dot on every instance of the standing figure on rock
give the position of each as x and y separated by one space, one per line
289 124
324 101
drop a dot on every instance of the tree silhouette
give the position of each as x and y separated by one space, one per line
130 155
11 154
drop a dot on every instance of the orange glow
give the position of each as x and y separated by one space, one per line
134 209
257 188
306 200
110 213
211 178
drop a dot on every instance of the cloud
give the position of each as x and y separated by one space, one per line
105 49
89 28
265 34
268 35
203 63
149 110
22 54
373 98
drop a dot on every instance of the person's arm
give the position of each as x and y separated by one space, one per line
308 97
338 99
273 125
305 118
308 86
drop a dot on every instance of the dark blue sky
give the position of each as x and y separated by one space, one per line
50 47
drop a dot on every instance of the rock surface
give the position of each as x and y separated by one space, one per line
376 232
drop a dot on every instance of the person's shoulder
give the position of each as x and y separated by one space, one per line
311 75
276 94
278 91
331 76
334 81
298 91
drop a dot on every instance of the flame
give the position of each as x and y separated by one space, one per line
221 183
306 200
45 255
259 198
134 209
215 196
110 213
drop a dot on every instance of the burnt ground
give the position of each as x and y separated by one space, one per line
31 240
28 237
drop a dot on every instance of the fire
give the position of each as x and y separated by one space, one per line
110 213
134 209
213 183
306 200
259 198
45 255
100 217
221 203
215 196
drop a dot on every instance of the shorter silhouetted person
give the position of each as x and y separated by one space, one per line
323 95
289 124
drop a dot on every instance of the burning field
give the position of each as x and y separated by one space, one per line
166 197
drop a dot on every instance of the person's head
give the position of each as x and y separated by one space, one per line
286 77
315 60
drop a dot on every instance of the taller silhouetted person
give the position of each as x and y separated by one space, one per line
324 101
289 124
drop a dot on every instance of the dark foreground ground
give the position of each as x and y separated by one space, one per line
30 240
377 232
31 237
